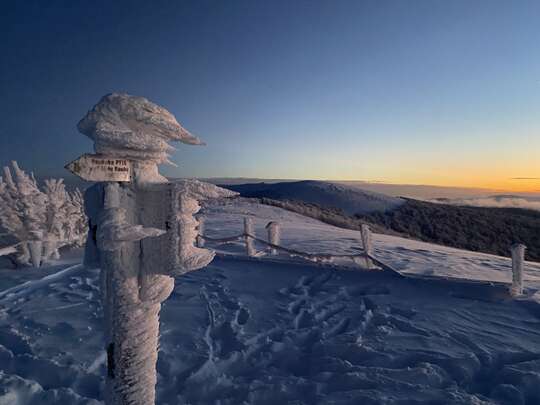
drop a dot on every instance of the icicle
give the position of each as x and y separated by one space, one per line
9 179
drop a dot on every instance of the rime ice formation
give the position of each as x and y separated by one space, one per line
142 234
134 128
191 192
132 324
42 220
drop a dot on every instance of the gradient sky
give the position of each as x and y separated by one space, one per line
424 92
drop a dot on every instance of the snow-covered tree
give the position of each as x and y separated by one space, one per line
41 220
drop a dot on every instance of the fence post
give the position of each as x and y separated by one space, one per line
518 257
248 231
200 227
365 233
273 235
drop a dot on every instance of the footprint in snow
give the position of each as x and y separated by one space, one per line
371 289
242 316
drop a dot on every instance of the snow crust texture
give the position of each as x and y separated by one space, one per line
133 127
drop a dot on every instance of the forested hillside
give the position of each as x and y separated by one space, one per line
482 229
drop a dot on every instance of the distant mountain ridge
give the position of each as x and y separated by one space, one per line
350 200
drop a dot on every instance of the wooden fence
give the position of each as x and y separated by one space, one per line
364 259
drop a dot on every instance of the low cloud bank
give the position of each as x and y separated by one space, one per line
496 202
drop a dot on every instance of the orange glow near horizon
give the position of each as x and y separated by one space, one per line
512 185
478 181
498 161
496 179
496 187
503 170
507 185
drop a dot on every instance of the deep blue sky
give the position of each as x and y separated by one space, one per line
441 92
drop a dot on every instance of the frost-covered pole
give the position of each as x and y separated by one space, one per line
248 233
132 323
200 228
365 233
273 234
518 257
142 233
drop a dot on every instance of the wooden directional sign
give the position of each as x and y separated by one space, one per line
101 168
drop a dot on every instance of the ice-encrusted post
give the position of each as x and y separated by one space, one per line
518 257
200 236
142 233
248 234
273 235
365 233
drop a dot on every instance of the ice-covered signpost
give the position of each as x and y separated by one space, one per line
142 232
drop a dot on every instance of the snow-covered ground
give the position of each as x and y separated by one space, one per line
404 255
277 331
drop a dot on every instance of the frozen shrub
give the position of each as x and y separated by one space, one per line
41 220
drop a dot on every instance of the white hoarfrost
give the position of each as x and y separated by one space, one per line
42 220
131 126
142 234
189 193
